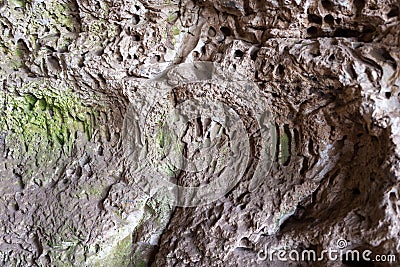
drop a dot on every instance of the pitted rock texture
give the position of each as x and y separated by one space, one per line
70 69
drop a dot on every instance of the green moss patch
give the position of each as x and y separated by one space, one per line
41 122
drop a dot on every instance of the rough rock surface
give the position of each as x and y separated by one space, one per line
71 72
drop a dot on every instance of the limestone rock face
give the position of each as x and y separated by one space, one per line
98 168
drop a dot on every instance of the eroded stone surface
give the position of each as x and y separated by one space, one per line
71 69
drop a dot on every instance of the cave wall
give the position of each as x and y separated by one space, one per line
72 74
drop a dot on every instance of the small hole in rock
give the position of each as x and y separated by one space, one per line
312 30
254 53
100 152
388 94
211 32
239 54
329 19
78 171
50 48
156 58
327 4
392 196
314 18
281 70
394 12
341 32
359 6
162 49
304 168
332 57
140 49
195 54
136 37
226 31
368 29
101 77
135 19
356 191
